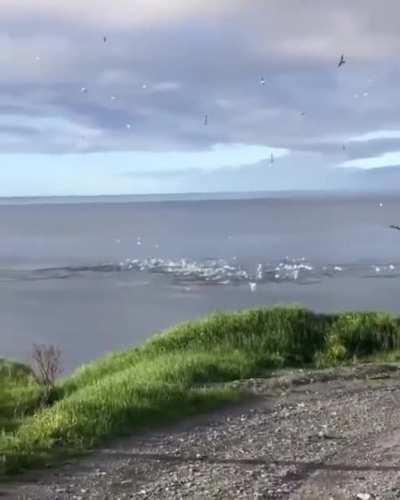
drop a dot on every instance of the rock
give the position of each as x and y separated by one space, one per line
364 496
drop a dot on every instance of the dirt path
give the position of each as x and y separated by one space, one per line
330 435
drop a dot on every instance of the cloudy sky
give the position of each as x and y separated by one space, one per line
80 115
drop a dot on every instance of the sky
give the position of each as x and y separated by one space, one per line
125 114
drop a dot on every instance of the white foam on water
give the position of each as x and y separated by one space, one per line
221 271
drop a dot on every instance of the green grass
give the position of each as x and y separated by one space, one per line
173 375
19 396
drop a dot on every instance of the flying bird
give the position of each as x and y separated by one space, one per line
262 80
104 39
84 90
205 119
393 226
342 61
271 159
253 286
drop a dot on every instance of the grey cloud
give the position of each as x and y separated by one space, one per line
195 58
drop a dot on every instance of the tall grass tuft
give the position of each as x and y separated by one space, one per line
360 334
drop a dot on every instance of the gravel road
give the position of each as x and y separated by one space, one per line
332 434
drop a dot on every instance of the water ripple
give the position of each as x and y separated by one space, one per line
217 271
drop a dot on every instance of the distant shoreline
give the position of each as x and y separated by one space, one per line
196 197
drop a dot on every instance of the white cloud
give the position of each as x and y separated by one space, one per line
113 14
391 159
376 135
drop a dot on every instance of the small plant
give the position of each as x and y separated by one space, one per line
46 367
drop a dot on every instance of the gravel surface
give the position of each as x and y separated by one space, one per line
332 434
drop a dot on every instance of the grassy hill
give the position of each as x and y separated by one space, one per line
175 374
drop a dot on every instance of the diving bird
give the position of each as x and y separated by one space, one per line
262 81
104 39
205 119
271 159
393 226
342 61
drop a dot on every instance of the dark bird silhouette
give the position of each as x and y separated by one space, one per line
104 39
205 119
393 226
342 61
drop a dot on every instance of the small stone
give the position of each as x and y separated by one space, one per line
363 496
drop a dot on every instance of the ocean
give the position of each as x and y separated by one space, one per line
93 275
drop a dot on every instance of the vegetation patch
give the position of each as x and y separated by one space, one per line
172 375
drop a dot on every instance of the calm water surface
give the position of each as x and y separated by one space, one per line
92 277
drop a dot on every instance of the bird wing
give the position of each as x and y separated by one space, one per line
394 226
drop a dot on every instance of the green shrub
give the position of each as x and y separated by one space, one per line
14 371
361 334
